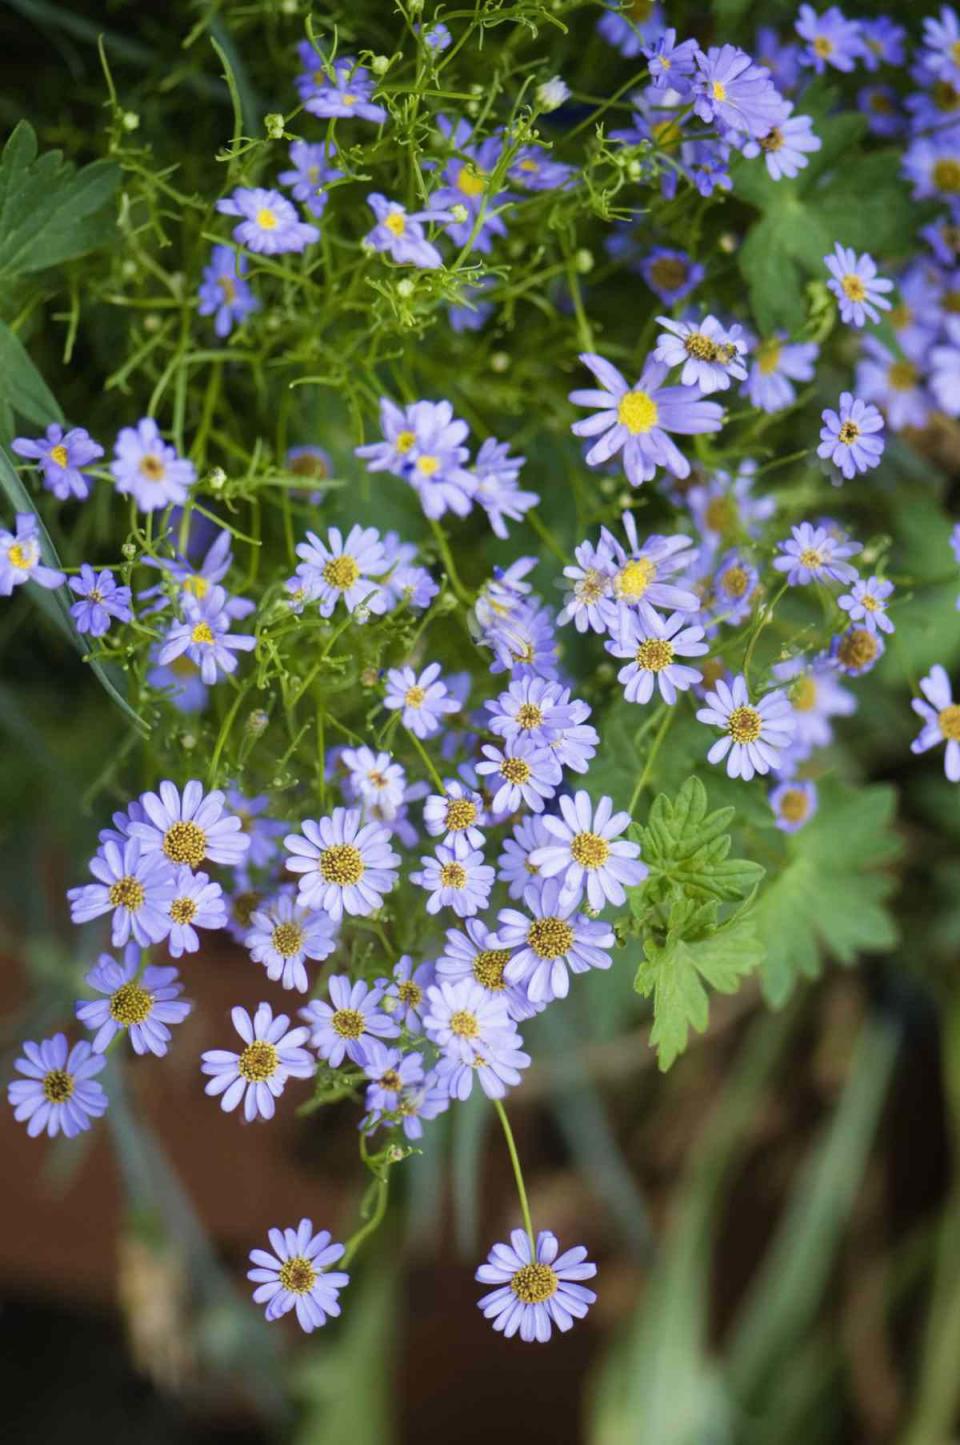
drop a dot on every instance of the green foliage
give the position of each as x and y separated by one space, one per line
686 849
830 895
23 391
50 212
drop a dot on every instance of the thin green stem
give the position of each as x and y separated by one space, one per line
450 566
427 762
662 730
765 616
518 1175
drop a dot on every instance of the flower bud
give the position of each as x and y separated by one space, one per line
274 125
257 722
380 64
500 362
405 288
552 93
130 120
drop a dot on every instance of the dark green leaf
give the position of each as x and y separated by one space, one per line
685 845
23 391
50 212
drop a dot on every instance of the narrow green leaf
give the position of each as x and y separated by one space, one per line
23 390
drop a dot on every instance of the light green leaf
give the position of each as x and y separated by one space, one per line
676 972
830 897
50 212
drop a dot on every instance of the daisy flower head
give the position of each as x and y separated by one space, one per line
344 569
592 576
148 469
268 223
851 437
101 601
831 39
421 701
671 275
709 353
587 853
203 636
671 66
941 720
637 420
775 365
754 734
896 383
223 293
475 953
59 1093
814 554
375 780
858 650
733 93
785 146
537 1290
257 1076
735 584
856 285
551 940
816 696
474 1032
196 903
400 233
135 886
867 602
940 55
794 803
405 991
345 866
352 1019
283 935
514 866
537 708
310 174
496 491
297 1275
641 574
456 815
534 169
631 28
189 826
467 183
61 456
654 644
20 557
144 1005
456 878
522 774
342 89
391 1073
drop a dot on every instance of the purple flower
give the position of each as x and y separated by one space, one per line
344 95
189 827
941 720
195 579
533 169
135 887
455 815
534 1293
476 1035
223 293
933 165
405 991
940 55
148 469
20 557
849 438
588 854
816 696
345 1027
456 878
401 233
813 554
775 365
375 780
180 680
754 734
522 773
258 1075
282 935
881 105
734 588
421 701
204 635
637 419
466 178
476 954
893 383
423 444
733 93
631 28
709 353
496 491
311 174
143 1005
538 709
671 275
831 39
640 578
196 903
549 939
102 599
514 866
344 867
856 285
785 146
269 223
297 1276
59 1093
342 570
856 651
883 42
793 803
671 66
867 601
61 457
725 507
654 644
391 1073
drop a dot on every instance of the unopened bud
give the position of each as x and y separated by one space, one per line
380 64
258 722
130 120
552 93
500 362
216 479
583 261
274 125
405 288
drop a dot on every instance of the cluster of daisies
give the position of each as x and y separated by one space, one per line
514 867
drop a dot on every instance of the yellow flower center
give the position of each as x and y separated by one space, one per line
946 174
183 910
721 515
404 441
410 993
244 905
464 1024
59 455
347 1022
287 939
902 375
266 219
415 696
258 1062
803 694
297 1275
848 433
945 96
343 864
152 468
515 770
853 287
428 466
470 180
131 1004
773 140
768 355
461 813
127 892
811 558
635 577
858 648
488 968
196 586
391 1081
550 937
700 347
590 850
185 843
396 223
668 273
822 46
529 716
735 581
534 1283
341 572
22 556
794 805
654 654
58 1086
592 585
229 288
870 603
949 720
744 724
202 634
638 412
453 875
719 90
